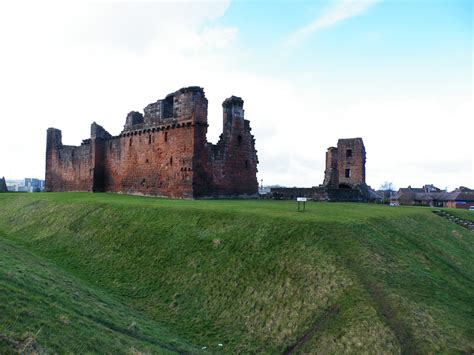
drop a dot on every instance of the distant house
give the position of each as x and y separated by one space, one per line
430 195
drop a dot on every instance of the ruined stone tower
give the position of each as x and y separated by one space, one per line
162 152
344 177
345 165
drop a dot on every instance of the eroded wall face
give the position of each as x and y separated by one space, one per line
235 164
331 174
351 161
233 160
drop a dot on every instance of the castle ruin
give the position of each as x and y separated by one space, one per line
163 152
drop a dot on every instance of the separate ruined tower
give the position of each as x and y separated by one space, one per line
162 152
344 177
345 165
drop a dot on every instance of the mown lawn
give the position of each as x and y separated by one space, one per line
257 276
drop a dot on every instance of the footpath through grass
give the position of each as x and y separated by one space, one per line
257 276
461 213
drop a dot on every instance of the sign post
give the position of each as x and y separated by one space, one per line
301 201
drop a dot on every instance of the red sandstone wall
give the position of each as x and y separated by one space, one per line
68 168
164 153
235 168
147 163
356 163
233 160
331 175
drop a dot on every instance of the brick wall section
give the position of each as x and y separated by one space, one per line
163 152
319 193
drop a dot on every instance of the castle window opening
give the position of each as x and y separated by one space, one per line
348 153
239 139
348 173
246 164
166 136
171 160
149 139
130 144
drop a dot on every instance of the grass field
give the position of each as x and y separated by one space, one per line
253 276
461 213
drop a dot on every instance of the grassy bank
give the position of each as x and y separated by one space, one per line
45 310
257 276
461 213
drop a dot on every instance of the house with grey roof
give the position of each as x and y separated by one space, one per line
431 196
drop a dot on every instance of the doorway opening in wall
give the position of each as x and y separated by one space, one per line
345 186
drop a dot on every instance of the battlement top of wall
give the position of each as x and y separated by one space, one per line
233 101
193 89
186 90
350 140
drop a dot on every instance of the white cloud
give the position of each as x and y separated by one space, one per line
338 11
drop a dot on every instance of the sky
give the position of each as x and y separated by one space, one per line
397 73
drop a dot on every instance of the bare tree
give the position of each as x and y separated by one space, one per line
386 188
